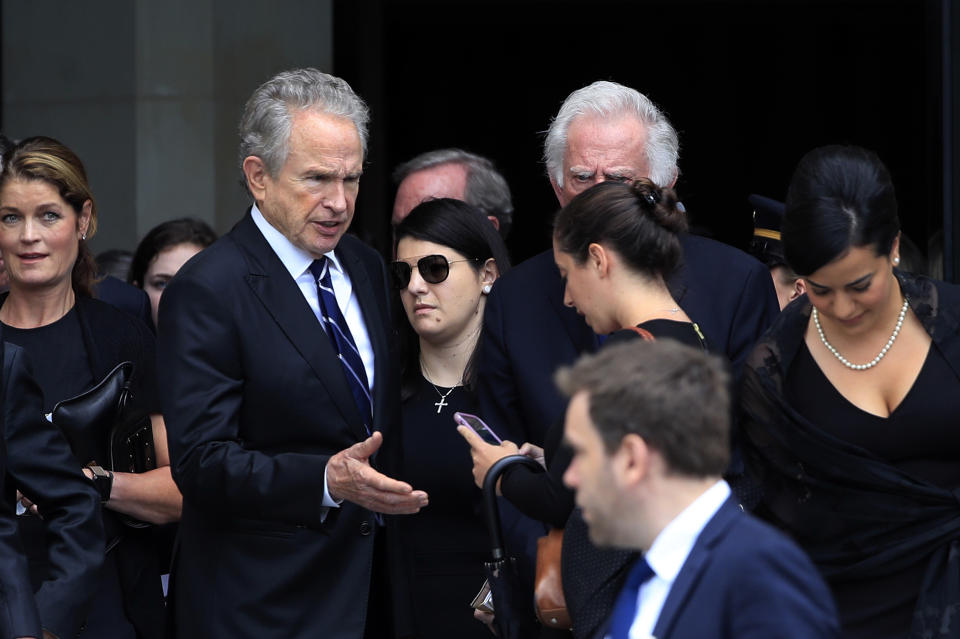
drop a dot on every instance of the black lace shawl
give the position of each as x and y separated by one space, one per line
854 514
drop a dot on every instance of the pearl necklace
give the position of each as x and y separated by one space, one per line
883 351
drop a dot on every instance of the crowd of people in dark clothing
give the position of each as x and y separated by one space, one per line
277 431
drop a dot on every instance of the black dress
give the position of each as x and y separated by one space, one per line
68 357
444 546
868 499
920 438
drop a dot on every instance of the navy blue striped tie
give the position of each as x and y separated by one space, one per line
342 341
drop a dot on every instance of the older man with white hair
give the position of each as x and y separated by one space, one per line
605 131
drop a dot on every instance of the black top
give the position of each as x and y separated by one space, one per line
683 332
445 545
59 359
920 438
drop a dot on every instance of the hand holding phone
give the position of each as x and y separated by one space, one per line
485 454
478 426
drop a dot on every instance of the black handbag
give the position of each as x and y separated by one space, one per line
107 408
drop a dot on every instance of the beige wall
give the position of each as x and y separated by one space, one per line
149 94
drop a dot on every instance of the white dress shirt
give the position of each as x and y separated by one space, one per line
668 554
297 262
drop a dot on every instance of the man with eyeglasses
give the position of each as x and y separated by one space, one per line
604 131
279 386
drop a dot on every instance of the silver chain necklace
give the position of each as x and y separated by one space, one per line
880 355
443 396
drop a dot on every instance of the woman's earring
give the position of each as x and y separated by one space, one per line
486 289
896 261
83 236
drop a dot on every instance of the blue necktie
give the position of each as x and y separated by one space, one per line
625 611
342 341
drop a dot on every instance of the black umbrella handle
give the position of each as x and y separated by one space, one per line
490 498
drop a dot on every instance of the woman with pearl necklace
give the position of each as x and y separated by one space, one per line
849 406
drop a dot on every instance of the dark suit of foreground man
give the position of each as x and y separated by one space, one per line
269 445
649 426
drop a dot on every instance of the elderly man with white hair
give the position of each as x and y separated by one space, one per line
606 131
603 132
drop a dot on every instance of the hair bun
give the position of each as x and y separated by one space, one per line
661 204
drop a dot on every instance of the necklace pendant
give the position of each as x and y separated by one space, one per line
441 404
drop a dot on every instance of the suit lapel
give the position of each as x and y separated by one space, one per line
271 283
693 567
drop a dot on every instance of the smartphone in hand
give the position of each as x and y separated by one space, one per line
478 426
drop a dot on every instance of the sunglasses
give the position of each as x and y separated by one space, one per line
433 269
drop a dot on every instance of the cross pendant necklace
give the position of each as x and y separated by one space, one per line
443 396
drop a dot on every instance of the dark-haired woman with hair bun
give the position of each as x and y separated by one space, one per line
850 406
615 245
448 257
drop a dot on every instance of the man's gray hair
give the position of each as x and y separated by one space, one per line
486 188
609 99
266 121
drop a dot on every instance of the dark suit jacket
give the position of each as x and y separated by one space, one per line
745 579
255 402
529 333
42 466
18 611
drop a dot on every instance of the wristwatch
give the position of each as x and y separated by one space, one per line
102 481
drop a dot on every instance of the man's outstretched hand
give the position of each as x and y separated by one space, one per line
350 477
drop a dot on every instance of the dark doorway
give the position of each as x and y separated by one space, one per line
750 86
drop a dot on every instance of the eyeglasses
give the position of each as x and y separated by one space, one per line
433 269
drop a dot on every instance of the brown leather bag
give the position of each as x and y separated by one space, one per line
548 586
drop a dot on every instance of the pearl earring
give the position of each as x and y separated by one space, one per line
896 261
486 289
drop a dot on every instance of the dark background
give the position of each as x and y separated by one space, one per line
750 86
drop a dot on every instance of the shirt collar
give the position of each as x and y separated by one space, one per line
294 258
673 545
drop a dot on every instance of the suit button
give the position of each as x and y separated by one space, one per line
365 528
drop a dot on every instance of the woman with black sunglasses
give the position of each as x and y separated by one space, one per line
448 257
